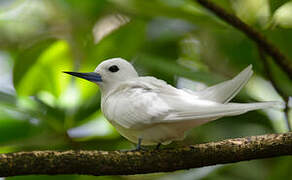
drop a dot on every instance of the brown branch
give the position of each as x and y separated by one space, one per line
139 162
276 87
254 35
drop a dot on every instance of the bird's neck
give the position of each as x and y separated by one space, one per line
107 89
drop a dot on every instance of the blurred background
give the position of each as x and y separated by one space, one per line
42 108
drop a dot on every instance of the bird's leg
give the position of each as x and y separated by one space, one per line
138 147
158 146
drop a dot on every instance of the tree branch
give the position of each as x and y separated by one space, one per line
267 46
139 162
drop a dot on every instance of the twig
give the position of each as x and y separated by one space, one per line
140 162
277 88
266 45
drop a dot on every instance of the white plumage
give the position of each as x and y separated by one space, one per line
149 109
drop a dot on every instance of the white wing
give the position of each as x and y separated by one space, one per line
146 101
136 103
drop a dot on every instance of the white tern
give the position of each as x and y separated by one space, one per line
148 111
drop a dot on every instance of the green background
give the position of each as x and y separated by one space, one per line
178 41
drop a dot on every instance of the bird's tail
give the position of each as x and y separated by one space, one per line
188 120
258 105
230 109
225 91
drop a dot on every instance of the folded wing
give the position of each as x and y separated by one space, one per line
137 104
144 102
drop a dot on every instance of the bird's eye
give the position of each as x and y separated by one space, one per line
113 68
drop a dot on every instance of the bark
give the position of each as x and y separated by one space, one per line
147 161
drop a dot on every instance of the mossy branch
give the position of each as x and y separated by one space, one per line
262 42
99 163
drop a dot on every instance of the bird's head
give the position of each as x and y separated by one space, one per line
109 73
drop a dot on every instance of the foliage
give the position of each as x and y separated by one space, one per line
42 108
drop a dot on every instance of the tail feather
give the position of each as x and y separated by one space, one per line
259 105
230 109
225 91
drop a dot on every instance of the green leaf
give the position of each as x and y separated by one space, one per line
26 58
88 8
283 16
15 126
89 107
42 177
7 99
275 4
123 42
167 69
252 12
282 168
45 74
183 9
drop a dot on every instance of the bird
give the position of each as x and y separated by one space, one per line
148 111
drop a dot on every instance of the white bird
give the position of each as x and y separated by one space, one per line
148 111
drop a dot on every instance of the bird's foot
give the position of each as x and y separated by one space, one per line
139 146
158 146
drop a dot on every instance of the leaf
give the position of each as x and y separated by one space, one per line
7 99
26 58
123 42
108 24
43 177
14 126
87 108
283 16
252 12
167 69
282 168
184 9
275 4
86 9
12 129
45 74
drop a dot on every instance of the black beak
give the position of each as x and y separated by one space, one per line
92 76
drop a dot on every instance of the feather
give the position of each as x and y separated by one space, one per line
218 110
136 104
150 109
142 102
225 91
